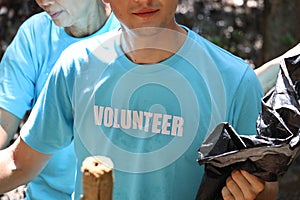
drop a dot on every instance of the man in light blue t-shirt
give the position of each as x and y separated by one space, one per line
24 70
146 97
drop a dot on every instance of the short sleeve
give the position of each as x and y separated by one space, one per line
18 73
50 125
246 104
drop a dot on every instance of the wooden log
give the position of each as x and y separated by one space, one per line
97 178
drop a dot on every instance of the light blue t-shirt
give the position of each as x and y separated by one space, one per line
24 70
149 119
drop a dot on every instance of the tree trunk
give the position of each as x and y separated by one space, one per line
281 27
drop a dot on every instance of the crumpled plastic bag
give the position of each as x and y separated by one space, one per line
268 154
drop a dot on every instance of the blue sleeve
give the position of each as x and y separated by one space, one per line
246 104
50 125
18 73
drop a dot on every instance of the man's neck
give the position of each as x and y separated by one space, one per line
94 22
152 45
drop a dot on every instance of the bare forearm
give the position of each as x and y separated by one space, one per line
10 177
267 73
19 164
4 138
8 127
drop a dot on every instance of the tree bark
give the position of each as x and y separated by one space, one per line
281 27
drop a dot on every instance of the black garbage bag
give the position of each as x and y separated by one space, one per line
268 154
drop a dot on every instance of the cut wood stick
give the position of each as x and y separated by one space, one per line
97 178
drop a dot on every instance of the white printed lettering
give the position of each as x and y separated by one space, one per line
166 124
156 123
145 121
116 117
98 114
126 119
177 126
108 117
137 120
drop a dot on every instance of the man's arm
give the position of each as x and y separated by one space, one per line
242 185
267 73
19 164
9 124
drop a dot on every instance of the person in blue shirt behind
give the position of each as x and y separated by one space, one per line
24 70
145 96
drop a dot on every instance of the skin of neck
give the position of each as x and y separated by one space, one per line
95 19
149 45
